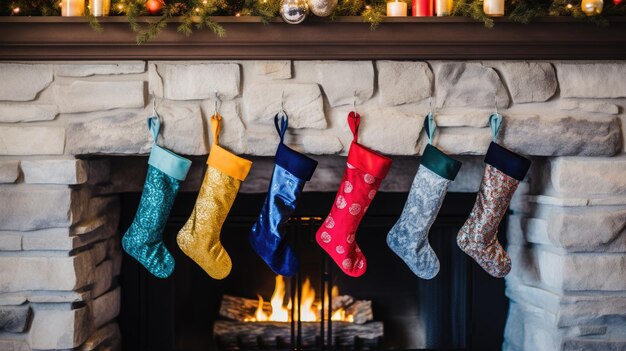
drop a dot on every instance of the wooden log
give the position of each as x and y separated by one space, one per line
233 335
238 308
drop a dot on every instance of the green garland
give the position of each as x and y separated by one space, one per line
198 14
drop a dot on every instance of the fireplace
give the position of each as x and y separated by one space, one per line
73 141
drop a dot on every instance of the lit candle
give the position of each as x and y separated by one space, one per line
73 7
422 7
493 7
396 9
99 7
443 7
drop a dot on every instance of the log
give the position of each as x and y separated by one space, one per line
238 308
233 335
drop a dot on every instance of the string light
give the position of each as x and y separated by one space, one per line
16 10
205 2
197 9
569 6
237 14
120 7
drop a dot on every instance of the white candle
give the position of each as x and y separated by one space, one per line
73 7
443 7
99 7
493 7
396 9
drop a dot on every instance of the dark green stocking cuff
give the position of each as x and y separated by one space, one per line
440 163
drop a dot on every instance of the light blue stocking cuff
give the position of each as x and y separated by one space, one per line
169 163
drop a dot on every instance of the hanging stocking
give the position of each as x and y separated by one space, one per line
478 236
409 236
200 236
291 171
365 171
144 239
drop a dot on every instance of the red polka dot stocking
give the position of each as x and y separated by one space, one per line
364 172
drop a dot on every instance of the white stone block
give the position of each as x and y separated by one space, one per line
14 345
463 118
463 140
233 131
10 241
273 69
199 81
29 208
54 171
303 103
592 80
10 113
588 176
32 140
341 79
262 143
64 328
529 81
460 84
23 82
402 82
67 239
86 69
321 144
106 307
9 171
87 96
378 124
128 133
599 107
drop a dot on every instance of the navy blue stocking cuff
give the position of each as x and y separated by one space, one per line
294 162
507 161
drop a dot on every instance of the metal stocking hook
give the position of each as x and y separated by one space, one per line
282 104
354 103
217 98
154 110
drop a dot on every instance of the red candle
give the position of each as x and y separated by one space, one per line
422 7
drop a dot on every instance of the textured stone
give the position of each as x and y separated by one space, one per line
321 144
529 81
9 171
87 96
103 278
568 105
232 133
588 176
303 104
10 241
32 140
82 69
14 319
14 345
463 118
106 335
543 136
23 82
39 296
600 107
401 82
46 272
30 208
262 143
459 84
592 80
54 171
106 307
59 328
463 140
273 69
66 239
380 123
200 81
27 113
127 133
341 79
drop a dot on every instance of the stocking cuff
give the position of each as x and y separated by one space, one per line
368 160
440 163
169 163
507 161
229 163
294 162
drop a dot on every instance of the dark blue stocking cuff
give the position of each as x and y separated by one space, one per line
294 162
507 161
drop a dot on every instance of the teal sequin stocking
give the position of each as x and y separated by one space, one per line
144 239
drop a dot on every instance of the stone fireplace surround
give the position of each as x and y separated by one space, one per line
62 122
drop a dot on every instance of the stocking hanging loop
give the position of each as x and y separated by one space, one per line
154 124
215 127
281 124
430 126
354 121
495 122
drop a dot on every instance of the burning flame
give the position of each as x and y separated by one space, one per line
309 308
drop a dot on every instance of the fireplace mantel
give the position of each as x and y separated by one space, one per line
57 38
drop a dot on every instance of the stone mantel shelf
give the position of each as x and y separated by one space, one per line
58 38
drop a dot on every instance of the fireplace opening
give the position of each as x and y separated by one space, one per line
461 308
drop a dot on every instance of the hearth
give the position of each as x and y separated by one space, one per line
462 308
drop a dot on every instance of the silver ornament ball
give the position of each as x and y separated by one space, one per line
322 8
294 11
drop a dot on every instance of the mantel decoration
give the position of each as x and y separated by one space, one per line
197 14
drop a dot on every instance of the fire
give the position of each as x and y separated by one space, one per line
309 307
